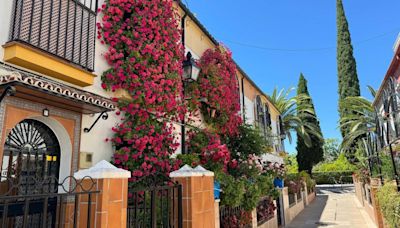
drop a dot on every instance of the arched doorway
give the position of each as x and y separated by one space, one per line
31 151
30 168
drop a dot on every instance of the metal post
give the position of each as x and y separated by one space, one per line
183 148
180 217
153 212
394 167
183 130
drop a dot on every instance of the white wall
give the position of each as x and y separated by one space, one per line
249 108
5 23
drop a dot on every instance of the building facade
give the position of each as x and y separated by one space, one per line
386 105
55 110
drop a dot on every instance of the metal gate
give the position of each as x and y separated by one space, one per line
29 186
156 205
31 150
71 206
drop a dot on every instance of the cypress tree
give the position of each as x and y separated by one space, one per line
307 157
346 64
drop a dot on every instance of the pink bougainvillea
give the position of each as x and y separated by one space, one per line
215 155
145 56
218 86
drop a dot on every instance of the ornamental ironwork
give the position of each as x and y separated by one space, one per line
31 150
63 28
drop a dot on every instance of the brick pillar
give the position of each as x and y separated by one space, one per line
109 206
306 194
216 210
198 196
375 184
254 218
285 206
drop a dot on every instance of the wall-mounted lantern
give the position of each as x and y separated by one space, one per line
46 112
190 69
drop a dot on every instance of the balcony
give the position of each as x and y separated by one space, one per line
54 37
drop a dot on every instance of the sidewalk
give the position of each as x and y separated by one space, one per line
333 209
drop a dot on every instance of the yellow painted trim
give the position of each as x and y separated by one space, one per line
36 60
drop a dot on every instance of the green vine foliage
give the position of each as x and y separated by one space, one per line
190 159
310 183
248 141
233 190
389 202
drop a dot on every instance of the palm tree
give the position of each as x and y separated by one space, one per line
360 121
291 119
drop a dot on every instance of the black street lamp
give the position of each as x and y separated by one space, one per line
190 74
190 69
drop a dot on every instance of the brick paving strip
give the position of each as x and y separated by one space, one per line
333 208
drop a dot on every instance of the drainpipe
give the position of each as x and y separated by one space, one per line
243 101
183 131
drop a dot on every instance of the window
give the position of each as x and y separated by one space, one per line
65 28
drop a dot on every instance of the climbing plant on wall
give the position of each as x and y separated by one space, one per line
218 88
145 58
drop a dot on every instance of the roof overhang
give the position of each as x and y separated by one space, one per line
394 64
40 89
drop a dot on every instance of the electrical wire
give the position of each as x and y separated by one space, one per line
308 49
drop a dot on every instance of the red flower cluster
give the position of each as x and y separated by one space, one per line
145 55
219 85
215 153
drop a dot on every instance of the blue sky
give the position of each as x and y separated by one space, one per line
304 36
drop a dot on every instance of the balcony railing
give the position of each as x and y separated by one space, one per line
64 28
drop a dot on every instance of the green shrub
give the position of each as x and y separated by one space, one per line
341 163
294 183
291 164
389 201
233 190
310 183
344 177
189 159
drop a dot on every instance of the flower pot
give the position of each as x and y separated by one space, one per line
217 190
278 182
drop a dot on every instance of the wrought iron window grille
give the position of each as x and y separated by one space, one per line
63 28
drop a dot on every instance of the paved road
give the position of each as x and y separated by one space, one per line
333 207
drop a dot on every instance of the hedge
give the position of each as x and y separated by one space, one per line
341 177
389 201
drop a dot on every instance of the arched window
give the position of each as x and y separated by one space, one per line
267 116
281 129
260 118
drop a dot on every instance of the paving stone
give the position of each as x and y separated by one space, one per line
334 208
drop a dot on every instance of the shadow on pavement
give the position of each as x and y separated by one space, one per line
336 189
310 216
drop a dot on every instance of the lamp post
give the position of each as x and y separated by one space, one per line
190 74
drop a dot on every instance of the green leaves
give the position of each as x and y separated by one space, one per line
346 64
291 118
389 201
359 121
309 147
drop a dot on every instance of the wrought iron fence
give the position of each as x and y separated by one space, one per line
159 206
299 196
292 200
234 217
64 28
45 202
